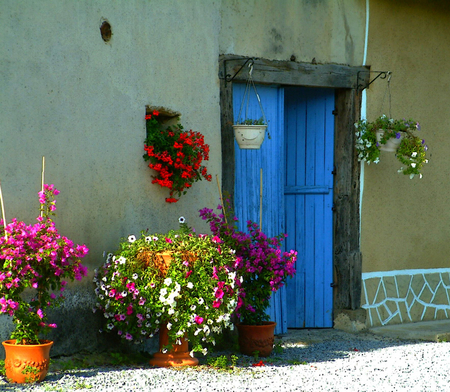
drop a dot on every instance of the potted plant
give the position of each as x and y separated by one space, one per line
176 155
36 264
192 293
386 134
264 269
250 133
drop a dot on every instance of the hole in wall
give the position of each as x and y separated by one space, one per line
105 31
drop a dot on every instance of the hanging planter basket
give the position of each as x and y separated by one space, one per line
392 144
250 133
249 136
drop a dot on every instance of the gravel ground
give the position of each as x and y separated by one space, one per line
305 360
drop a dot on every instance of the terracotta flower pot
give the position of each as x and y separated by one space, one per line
177 356
26 363
254 338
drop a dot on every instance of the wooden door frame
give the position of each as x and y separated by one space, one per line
346 81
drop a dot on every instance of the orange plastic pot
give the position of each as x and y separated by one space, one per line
26 363
256 338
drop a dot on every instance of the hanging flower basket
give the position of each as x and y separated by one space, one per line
398 136
391 143
249 136
250 133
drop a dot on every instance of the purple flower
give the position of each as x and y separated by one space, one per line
398 135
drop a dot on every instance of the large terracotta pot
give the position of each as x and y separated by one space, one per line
177 356
254 338
26 363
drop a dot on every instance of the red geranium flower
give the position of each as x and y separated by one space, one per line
176 154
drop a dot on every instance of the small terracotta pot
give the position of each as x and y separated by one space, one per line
177 356
254 338
27 363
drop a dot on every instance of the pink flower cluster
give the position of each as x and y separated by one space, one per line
37 257
259 260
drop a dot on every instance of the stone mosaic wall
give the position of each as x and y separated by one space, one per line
394 297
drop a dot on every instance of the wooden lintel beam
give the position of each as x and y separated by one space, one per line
295 74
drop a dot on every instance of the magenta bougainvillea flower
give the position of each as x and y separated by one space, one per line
260 262
38 258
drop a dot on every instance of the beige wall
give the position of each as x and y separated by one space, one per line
67 95
329 31
405 222
80 102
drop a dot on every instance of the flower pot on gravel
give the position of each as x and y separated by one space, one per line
26 363
256 339
177 356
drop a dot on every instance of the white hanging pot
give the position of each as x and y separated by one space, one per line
392 144
249 137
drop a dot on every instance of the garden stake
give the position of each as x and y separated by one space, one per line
42 181
221 199
3 212
260 197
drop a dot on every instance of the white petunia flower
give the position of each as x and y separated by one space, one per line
201 301
190 285
148 239
181 220
122 260
414 154
168 281
131 238
169 326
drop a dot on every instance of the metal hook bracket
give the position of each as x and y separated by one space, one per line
228 77
381 74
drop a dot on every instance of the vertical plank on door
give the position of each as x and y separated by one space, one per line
309 186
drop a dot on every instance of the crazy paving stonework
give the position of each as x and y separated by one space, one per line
394 297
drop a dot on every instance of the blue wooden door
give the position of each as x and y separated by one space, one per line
276 168
308 201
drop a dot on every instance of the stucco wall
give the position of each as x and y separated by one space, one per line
405 222
67 95
80 102
325 31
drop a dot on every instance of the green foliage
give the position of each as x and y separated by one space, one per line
223 362
278 348
195 293
297 362
249 121
260 262
31 374
176 155
411 151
